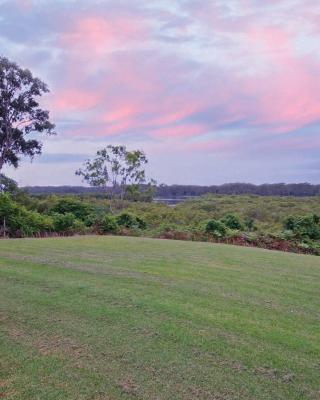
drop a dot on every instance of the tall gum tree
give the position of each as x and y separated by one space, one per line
21 117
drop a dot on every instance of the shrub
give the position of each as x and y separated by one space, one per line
130 221
78 208
141 224
289 223
126 219
91 220
108 224
304 227
249 223
79 227
21 222
232 222
63 222
216 228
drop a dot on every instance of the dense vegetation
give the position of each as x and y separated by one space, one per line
129 318
284 223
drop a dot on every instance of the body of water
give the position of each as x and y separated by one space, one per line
173 200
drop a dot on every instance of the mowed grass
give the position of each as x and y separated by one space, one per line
131 318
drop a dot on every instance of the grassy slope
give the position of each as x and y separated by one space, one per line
121 318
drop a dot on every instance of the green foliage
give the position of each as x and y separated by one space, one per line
129 220
232 222
18 221
165 228
67 223
138 192
261 222
249 224
117 170
304 227
91 219
140 223
63 222
80 209
108 224
216 228
79 227
7 185
20 114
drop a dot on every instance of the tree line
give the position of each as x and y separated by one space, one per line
180 191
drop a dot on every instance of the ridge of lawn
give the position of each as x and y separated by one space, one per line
98 317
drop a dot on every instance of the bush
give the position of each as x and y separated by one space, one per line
63 222
108 224
232 222
130 221
303 227
91 220
249 223
79 227
126 219
141 224
216 228
78 208
21 222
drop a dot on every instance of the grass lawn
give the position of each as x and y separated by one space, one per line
128 318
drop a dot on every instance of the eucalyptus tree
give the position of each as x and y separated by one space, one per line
116 170
21 117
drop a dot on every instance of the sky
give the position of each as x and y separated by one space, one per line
213 91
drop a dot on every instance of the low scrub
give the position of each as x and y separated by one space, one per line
17 221
197 220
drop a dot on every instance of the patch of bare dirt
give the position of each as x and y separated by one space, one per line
199 393
101 396
288 378
273 373
52 345
129 387
5 390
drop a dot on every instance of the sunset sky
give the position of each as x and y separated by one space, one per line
213 91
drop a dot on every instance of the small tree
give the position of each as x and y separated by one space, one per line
20 114
116 170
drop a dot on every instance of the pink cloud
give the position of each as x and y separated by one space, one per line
122 112
287 94
74 100
163 96
98 34
179 131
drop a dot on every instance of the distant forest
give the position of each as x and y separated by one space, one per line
174 191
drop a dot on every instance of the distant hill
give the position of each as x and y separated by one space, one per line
173 191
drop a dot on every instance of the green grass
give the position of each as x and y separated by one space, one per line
129 318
